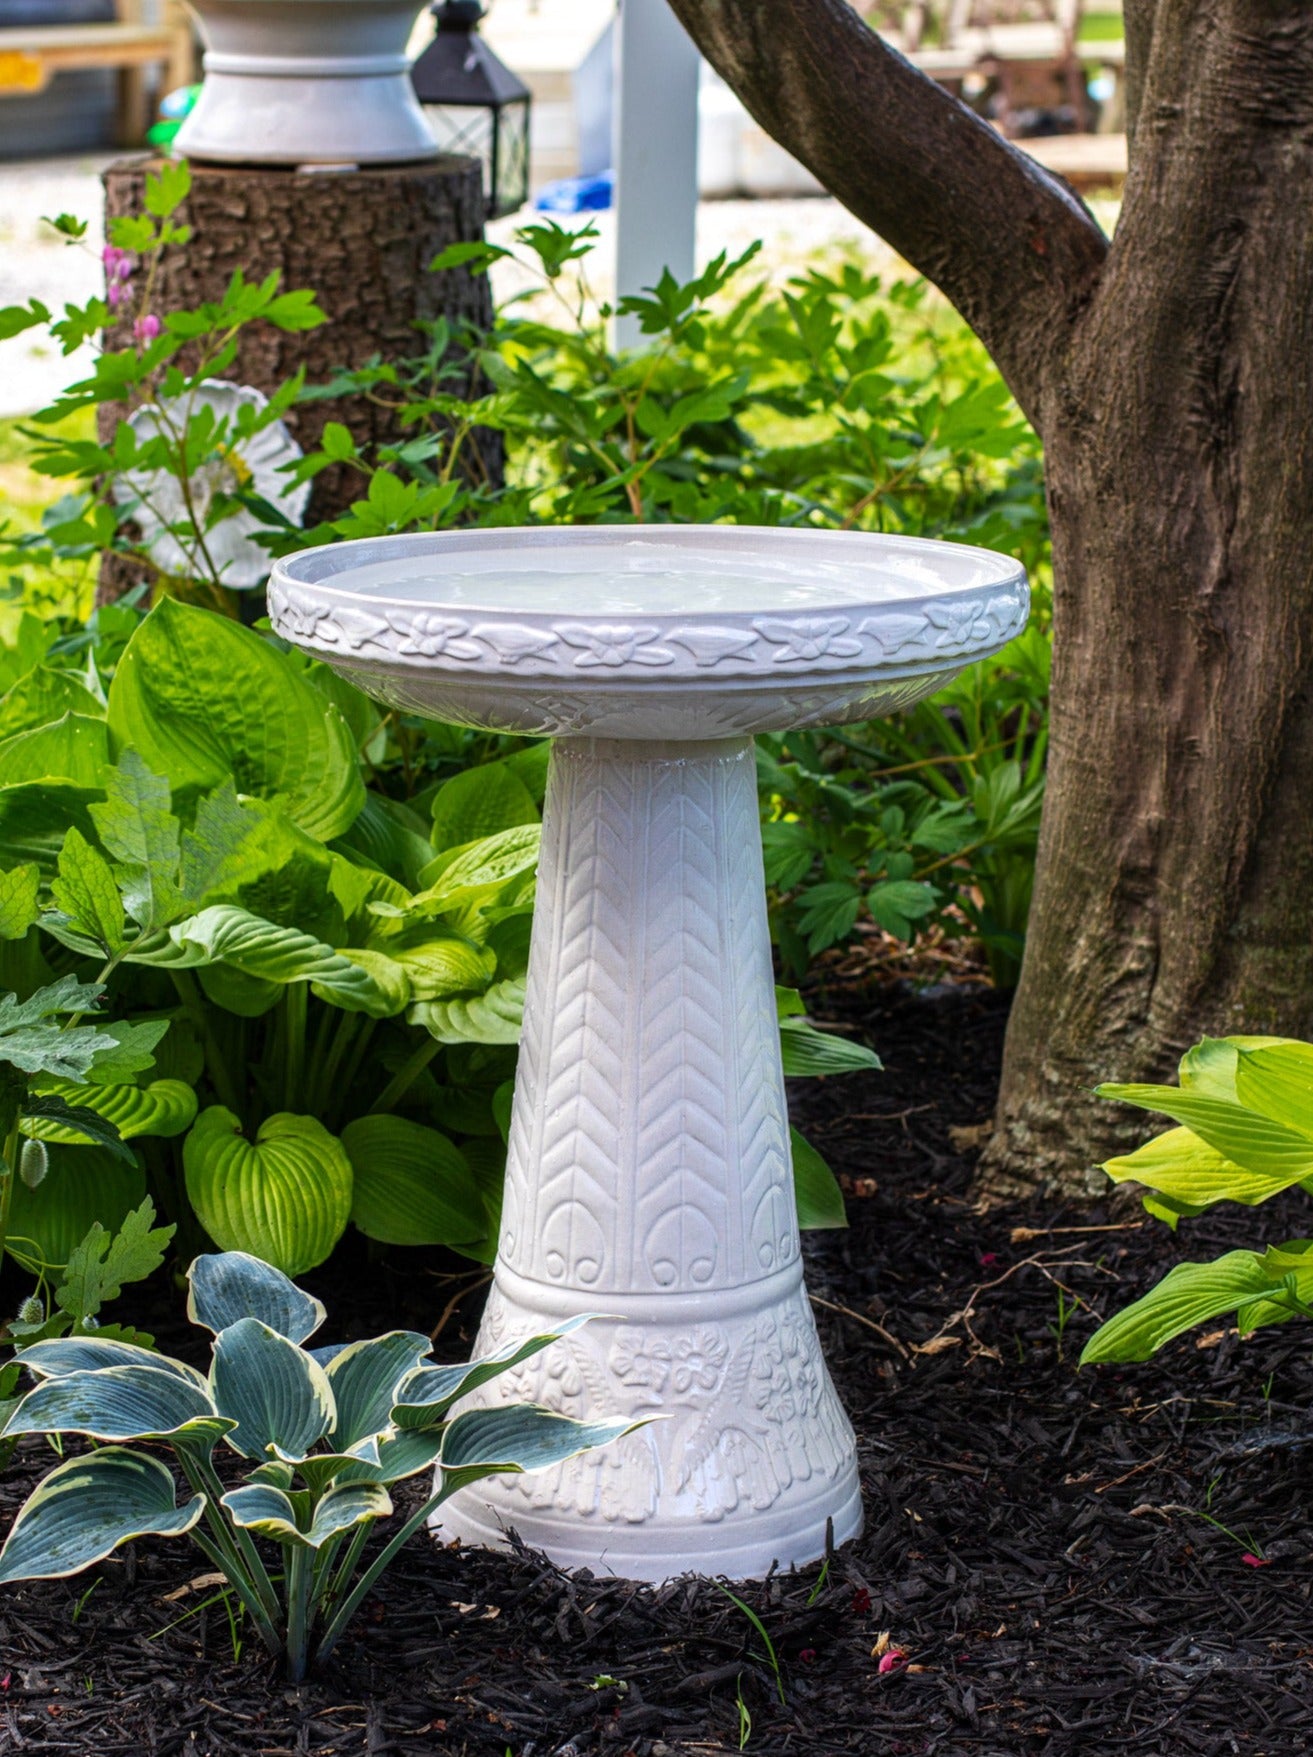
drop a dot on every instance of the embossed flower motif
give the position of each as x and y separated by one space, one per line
960 625
299 617
430 635
614 644
637 1361
699 1360
811 637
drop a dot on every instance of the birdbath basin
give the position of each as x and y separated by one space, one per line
648 1175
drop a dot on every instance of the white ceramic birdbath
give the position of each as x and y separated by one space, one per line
648 1176
300 82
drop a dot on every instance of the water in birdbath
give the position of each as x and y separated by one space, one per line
642 577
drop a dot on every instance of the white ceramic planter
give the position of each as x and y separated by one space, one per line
648 1175
293 82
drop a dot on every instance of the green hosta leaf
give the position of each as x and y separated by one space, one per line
164 1108
223 1288
357 981
50 1116
390 836
465 878
428 1395
42 695
119 1403
268 1512
58 1356
819 1198
520 1436
806 1050
492 1017
1195 1292
1190 1173
1277 1081
18 901
1209 1069
203 698
88 893
73 748
250 997
84 1188
411 1185
99 1266
365 1376
273 1390
438 964
479 802
87 1507
1241 1135
286 1198
35 817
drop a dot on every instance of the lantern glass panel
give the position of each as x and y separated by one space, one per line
511 185
467 131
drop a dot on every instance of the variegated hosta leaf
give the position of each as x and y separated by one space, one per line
356 981
495 1016
87 1507
266 1510
521 1436
318 1469
365 1376
286 1197
411 1185
400 1455
271 1388
230 1285
426 1397
165 1107
119 1403
57 1356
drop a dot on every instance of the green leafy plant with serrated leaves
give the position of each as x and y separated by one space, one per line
1243 1116
325 1433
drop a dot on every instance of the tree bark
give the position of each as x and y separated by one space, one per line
362 240
1172 385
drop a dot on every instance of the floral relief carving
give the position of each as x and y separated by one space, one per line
614 644
938 628
800 638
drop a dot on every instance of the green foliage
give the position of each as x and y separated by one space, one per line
1244 1110
326 1434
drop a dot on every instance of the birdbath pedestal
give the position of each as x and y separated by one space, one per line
648 1176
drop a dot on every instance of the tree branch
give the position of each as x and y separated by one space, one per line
1139 19
1011 246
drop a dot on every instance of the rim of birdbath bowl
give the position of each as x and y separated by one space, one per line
306 82
667 632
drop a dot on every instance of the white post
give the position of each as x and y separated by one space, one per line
656 152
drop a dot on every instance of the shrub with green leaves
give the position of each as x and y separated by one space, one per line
325 1433
1244 1132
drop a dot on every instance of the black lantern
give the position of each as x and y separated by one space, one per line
475 105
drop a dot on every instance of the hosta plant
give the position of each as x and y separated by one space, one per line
1244 1116
324 1432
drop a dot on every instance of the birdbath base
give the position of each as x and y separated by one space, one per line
649 1179
649 1176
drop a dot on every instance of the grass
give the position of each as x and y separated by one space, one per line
1102 27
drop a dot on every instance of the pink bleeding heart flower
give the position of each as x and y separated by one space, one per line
988 1259
807 1655
1252 1561
117 294
146 328
892 1661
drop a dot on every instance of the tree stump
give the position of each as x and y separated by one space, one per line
361 240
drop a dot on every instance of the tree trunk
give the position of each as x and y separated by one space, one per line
1170 377
1174 894
362 240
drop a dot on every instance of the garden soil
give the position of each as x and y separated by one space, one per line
1054 1562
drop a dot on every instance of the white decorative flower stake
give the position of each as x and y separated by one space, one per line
648 1174
256 461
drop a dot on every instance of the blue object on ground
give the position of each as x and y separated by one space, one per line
576 195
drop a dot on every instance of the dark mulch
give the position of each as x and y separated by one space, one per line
1066 1560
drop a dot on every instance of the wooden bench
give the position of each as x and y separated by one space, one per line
30 56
